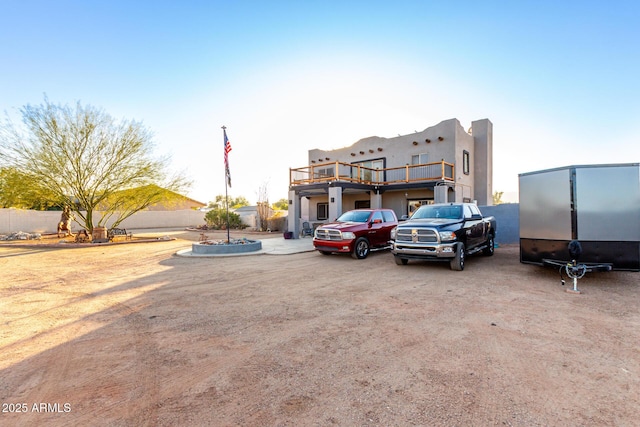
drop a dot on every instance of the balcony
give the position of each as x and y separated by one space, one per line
355 173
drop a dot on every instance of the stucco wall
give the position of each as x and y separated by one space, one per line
445 141
12 220
507 221
482 161
397 151
465 183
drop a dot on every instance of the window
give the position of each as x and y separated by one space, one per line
439 211
377 216
470 210
323 173
322 211
419 159
363 204
388 216
465 162
366 172
413 205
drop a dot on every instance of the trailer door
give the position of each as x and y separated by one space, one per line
545 205
608 203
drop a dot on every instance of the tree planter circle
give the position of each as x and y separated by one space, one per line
221 248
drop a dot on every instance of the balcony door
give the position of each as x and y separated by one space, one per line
366 172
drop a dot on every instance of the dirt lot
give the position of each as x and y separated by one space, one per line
132 335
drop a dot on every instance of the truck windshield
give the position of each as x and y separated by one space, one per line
354 216
446 212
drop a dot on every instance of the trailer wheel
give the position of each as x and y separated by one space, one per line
457 263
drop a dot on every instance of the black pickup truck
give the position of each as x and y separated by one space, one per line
443 232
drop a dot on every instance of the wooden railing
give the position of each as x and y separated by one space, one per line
350 172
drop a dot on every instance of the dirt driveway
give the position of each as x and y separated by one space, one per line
132 335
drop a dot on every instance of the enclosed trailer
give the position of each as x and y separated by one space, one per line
597 205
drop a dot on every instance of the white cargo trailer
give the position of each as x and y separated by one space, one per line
597 205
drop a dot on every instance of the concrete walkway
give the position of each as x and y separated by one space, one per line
271 246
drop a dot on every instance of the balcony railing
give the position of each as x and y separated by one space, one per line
350 172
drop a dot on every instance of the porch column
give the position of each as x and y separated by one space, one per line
376 200
440 193
293 217
335 202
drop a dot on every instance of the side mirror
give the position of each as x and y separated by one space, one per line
404 217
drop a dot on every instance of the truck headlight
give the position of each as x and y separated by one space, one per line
394 231
348 235
447 236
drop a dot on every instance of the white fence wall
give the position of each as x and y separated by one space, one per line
12 220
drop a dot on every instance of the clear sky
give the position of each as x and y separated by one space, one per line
560 80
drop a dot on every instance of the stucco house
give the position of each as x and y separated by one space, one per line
442 163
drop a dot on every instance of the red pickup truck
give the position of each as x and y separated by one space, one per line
356 232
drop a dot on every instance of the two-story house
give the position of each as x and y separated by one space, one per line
440 164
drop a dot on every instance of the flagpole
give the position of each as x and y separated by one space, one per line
226 179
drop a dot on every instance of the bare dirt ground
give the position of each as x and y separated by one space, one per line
132 335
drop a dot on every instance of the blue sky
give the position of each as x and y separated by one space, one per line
559 80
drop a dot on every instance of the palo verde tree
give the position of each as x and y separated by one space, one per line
80 156
18 190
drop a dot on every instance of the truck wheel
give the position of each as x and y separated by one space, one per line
400 261
361 248
457 263
488 251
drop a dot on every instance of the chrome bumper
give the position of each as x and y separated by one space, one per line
442 250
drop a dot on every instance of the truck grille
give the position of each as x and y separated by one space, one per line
323 234
416 235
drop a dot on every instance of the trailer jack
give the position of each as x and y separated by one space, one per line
574 270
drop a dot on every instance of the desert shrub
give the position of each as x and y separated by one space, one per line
216 219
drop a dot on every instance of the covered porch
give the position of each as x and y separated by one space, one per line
320 193
359 174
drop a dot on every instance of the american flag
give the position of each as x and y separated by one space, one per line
227 149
